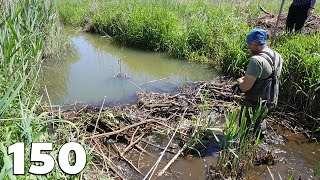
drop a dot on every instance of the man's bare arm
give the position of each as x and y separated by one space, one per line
246 82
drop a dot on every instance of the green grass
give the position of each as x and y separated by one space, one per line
213 33
301 76
239 143
317 170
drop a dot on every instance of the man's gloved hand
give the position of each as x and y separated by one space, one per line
236 89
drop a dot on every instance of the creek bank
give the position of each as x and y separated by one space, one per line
269 20
119 134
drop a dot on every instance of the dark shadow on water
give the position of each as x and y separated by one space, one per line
207 146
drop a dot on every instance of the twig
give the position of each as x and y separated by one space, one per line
168 126
121 130
151 144
143 150
132 144
154 167
153 81
275 28
263 171
95 127
125 159
263 10
78 112
137 86
272 177
112 167
134 133
178 153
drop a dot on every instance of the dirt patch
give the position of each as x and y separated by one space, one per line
268 22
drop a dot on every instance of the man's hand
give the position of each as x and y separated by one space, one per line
310 11
240 80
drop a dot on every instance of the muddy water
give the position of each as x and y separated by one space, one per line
184 167
96 68
297 158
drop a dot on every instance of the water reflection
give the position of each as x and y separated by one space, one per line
88 73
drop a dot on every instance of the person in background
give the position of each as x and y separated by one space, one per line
298 13
260 82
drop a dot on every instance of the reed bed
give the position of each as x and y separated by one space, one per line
210 32
28 34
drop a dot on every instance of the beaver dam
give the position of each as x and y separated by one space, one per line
175 136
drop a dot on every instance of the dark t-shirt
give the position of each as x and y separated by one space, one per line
259 67
303 2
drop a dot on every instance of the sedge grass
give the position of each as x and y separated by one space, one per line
239 143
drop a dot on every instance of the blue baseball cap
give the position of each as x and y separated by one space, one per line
259 34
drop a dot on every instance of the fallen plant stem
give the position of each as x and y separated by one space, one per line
120 130
154 167
125 159
177 154
132 144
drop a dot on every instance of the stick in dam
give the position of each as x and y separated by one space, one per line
121 130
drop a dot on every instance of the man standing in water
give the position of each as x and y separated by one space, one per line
298 14
261 77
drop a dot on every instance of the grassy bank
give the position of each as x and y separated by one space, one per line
205 32
28 35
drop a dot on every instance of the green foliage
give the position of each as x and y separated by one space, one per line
28 29
22 38
76 15
317 170
239 143
301 72
187 30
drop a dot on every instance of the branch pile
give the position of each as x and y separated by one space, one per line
122 136
120 133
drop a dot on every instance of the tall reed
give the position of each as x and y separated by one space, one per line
239 143
27 36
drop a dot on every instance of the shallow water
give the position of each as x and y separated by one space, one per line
297 158
96 68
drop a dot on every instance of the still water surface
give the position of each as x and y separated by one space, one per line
96 68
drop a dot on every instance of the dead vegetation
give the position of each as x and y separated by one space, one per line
118 132
122 136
